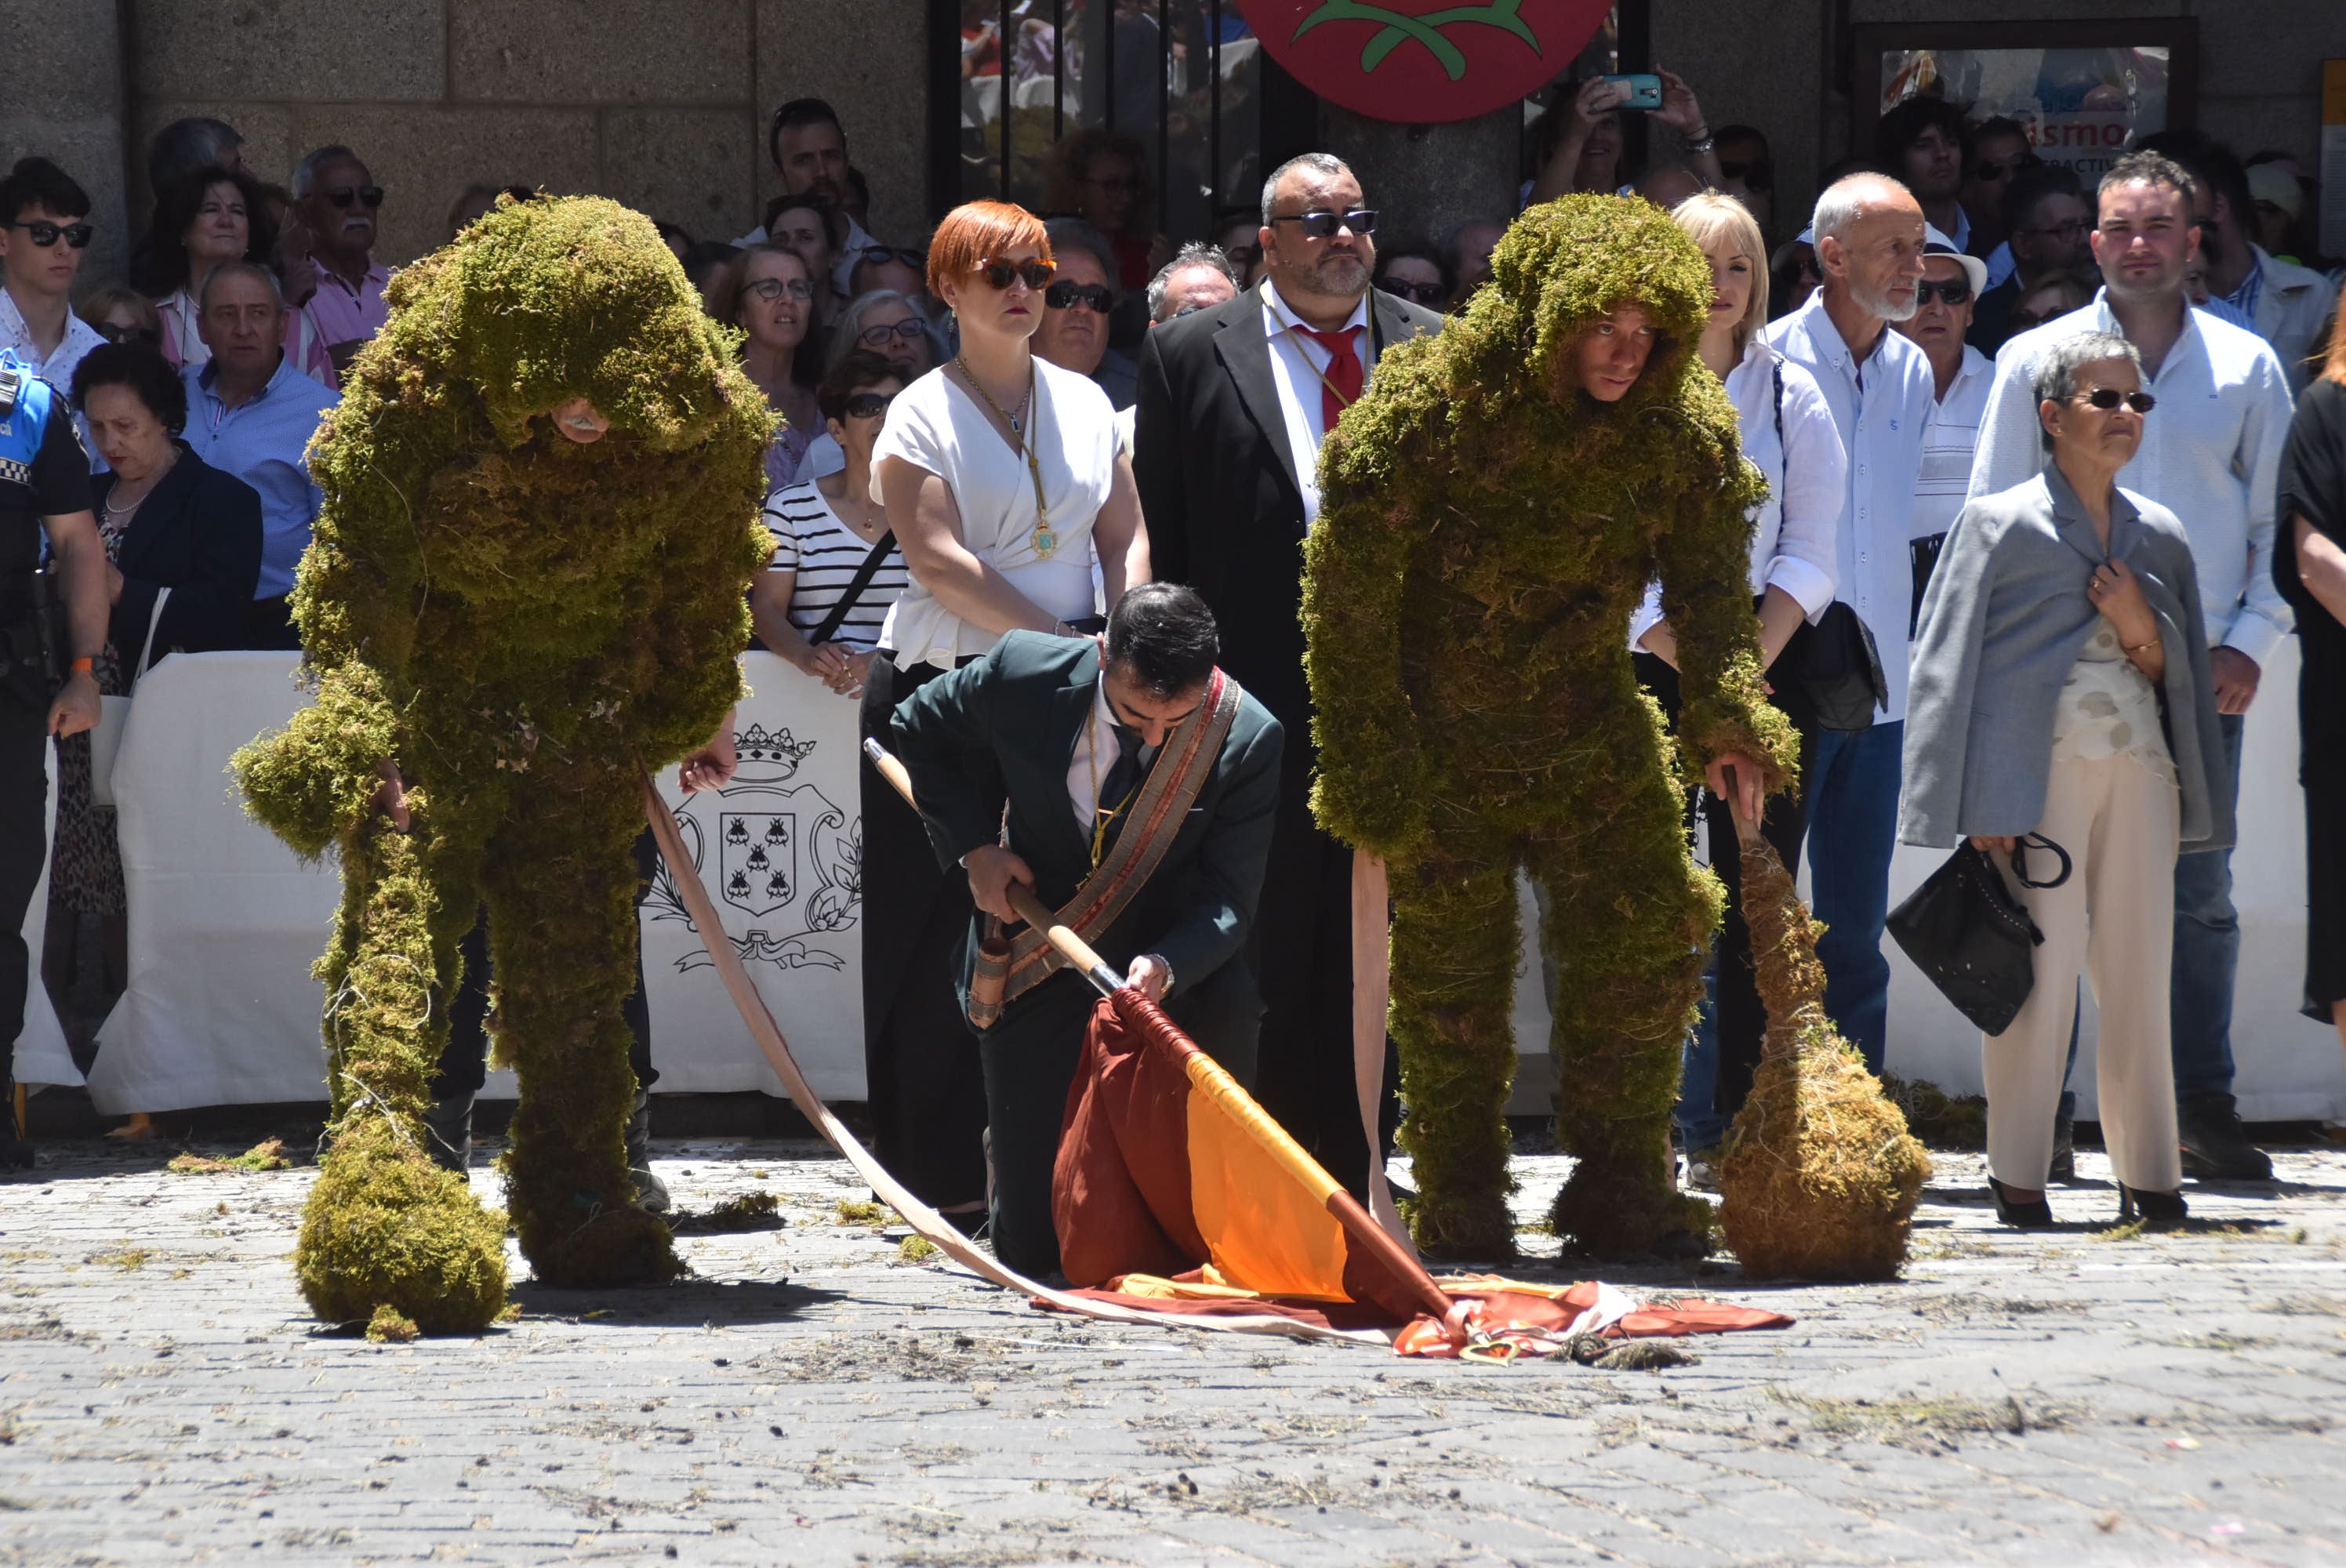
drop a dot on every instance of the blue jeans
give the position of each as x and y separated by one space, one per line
1700 1126
2207 956
1853 827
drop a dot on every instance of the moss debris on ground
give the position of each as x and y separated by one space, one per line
1943 1121
860 1211
750 1211
266 1156
917 1249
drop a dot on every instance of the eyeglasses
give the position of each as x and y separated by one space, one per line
1066 294
367 195
911 330
47 234
2108 398
1989 170
1955 291
869 404
771 288
1321 224
114 334
1424 293
2071 231
1035 274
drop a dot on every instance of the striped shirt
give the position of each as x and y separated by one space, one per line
810 540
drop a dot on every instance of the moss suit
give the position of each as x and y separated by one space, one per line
1486 530
516 619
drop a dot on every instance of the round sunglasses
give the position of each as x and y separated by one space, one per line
47 234
1427 294
2108 398
1035 274
1066 294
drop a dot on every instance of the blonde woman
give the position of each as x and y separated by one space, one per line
1789 433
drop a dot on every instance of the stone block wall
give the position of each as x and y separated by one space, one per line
660 104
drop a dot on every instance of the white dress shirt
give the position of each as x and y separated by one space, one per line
1950 437
2210 454
1881 406
1296 364
1096 753
1795 530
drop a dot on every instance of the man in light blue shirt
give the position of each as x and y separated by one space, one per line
1870 236
251 414
2210 454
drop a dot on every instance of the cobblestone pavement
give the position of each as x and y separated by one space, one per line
2084 1396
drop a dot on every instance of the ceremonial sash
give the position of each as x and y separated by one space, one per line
1007 968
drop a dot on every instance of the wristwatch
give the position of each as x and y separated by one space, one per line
1704 143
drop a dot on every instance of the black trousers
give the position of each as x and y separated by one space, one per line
1740 1016
464 1060
1029 1059
925 1090
24 847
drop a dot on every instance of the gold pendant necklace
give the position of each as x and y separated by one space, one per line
1046 539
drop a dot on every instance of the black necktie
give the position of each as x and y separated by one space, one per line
1124 776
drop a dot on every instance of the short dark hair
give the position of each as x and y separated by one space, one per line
37 182
143 369
2215 165
2030 186
833 221
1903 126
800 112
857 370
1411 250
164 266
1164 636
1076 234
2148 168
195 142
2001 125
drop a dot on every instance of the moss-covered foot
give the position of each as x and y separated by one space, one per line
1607 1213
591 1246
1472 1228
385 1226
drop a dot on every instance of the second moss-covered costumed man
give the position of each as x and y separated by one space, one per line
1494 509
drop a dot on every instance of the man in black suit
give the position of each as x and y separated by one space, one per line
1233 404
1138 785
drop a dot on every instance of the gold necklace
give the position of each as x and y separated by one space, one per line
1046 539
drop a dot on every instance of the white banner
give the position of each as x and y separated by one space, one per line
41 1058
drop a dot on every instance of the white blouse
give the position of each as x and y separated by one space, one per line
1796 530
937 425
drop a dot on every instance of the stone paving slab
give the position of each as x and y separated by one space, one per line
2086 1396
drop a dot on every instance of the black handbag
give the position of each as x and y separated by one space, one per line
1968 934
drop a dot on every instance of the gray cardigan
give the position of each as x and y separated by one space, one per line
2004 622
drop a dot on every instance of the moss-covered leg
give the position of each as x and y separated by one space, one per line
1629 918
1454 942
561 886
385 1226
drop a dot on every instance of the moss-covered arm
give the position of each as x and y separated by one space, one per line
1703 560
313 783
1371 791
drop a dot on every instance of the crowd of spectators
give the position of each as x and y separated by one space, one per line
1902 366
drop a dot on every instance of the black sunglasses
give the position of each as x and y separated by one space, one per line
47 234
1321 224
881 255
1757 174
1424 293
869 404
1955 291
367 195
910 329
2108 398
1067 293
128 334
1035 274
1992 168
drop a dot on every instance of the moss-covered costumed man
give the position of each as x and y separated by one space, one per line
542 491
1493 510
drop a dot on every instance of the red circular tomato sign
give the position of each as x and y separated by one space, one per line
1424 62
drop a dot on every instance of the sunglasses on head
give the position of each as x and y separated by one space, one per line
869 404
910 330
1035 274
1955 291
775 288
367 195
47 234
1066 294
1321 224
2108 398
1422 293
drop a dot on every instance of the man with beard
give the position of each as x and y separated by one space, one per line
337 200
2046 219
1234 401
1924 144
1870 240
809 152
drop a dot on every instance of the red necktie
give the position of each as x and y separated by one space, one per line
1339 383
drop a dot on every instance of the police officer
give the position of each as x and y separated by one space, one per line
44 487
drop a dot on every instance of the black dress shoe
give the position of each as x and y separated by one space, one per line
2154 1208
2035 1214
2065 1150
2215 1147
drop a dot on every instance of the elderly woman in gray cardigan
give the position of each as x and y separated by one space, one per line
2061 687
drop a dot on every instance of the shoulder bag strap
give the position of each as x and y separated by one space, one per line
146 658
855 586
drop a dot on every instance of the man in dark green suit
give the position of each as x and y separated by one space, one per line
1133 787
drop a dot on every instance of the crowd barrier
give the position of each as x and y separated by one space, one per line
225 921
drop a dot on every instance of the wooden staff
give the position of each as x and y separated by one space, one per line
1211 1076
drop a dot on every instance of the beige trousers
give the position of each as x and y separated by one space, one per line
2113 918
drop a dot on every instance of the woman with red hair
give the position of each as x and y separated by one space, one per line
1000 478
